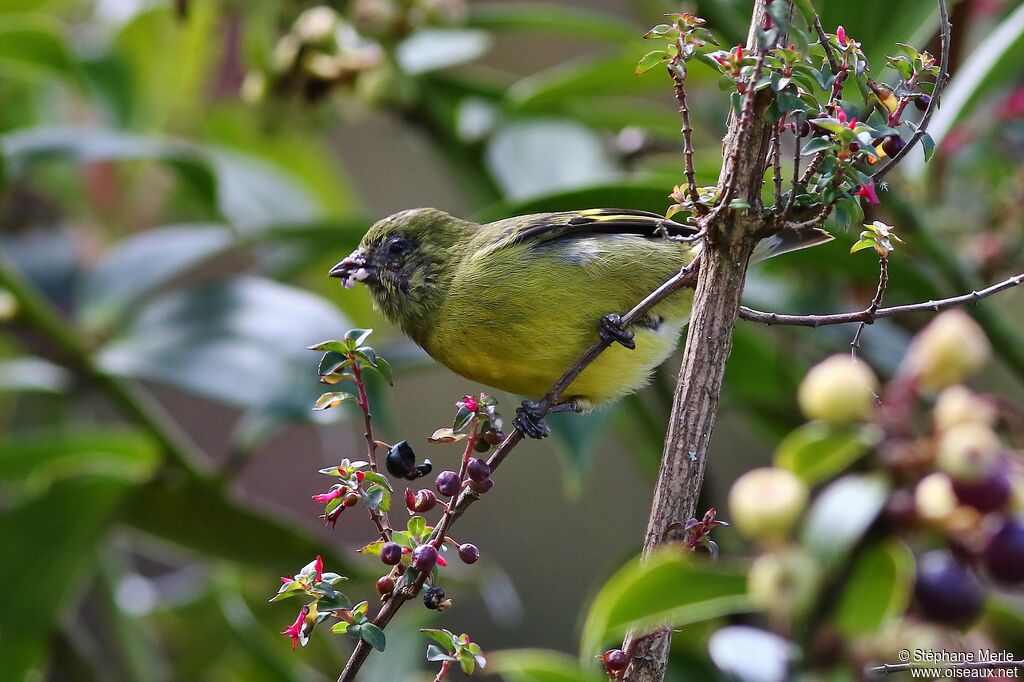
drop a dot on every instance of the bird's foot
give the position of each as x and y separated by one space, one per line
530 421
528 417
611 330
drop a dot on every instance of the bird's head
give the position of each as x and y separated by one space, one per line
403 257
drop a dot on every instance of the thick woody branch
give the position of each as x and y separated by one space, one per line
869 315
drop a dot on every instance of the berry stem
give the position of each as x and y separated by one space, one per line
379 518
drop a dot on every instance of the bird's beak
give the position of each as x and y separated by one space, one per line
354 268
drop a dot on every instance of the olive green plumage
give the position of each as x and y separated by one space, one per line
513 303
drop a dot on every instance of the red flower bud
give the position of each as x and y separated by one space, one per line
328 496
841 35
318 566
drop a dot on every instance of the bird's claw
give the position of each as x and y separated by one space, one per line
529 420
611 330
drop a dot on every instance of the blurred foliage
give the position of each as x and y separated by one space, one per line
174 182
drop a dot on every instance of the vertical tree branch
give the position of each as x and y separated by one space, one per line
731 236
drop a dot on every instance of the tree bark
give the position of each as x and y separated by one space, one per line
731 237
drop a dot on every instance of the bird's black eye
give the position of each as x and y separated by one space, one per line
396 246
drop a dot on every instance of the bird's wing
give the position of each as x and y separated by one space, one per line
547 227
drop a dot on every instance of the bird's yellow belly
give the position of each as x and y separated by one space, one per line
520 366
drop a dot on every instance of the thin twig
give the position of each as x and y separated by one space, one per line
687 131
379 517
457 507
876 302
869 315
814 221
823 38
776 152
940 83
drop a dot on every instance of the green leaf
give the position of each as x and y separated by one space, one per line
287 590
136 267
333 399
435 653
383 367
443 637
340 628
862 244
878 589
238 341
338 348
380 479
928 146
32 47
417 526
468 663
842 513
356 337
538 665
586 24
376 497
70 521
816 451
373 635
816 145
650 60
670 588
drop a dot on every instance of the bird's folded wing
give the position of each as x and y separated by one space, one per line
546 227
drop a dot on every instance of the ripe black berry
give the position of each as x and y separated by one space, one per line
854 147
469 553
803 128
391 553
615 660
433 598
424 557
385 585
892 145
1004 556
945 591
922 102
447 483
478 470
401 459
986 495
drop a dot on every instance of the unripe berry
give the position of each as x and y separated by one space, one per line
948 350
424 557
447 483
968 452
615 660
1004 555
481 445
958 405
351 499
934 499
385 585
838 390
469 553
783 583
478 470
391 553
421 501
765 503
945 591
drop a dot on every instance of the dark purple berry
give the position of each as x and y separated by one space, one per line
478 470
1004 556
892 145
803 128
447 483
922 102
854 147
401 459
480 487
481 445
469 553
615 660
424 557
945 591
433 598
493 436
391 553
988 494
385 585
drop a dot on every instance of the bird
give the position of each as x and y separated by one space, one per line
512 304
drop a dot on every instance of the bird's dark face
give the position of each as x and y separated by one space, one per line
401 258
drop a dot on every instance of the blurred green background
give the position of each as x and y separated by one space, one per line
177 177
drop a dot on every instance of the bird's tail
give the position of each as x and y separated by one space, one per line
789 240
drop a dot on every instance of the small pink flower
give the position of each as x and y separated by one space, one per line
841 35
840 115
469 402
739 52
295 629
852 124
287 580
328 496
441 561
318 566
868 192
